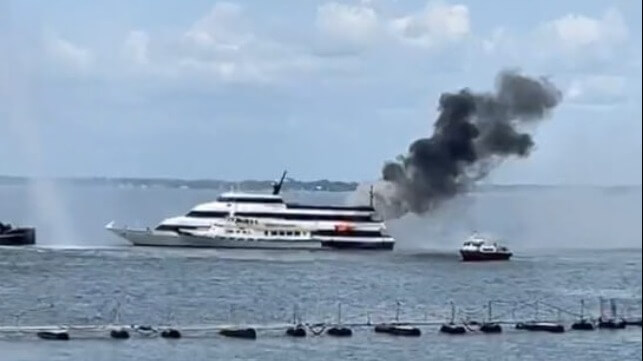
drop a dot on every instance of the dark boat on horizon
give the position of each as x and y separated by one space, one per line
20 236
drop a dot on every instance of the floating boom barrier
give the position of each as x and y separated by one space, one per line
460 322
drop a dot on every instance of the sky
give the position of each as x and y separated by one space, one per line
325 89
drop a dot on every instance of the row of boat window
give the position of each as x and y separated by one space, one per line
289 216
291 205
249 200
351 233
267 233
284 233
327 233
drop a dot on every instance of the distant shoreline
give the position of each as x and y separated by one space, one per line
323 185
247 185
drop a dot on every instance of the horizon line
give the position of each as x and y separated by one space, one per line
161 178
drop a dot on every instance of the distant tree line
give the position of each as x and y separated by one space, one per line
245 185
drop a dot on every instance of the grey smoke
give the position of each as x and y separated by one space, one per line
474 132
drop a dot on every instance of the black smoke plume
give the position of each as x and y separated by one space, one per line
473 133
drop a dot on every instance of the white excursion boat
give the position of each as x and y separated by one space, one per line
251 220
478 248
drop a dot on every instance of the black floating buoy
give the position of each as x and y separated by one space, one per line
340 332
398 330
119 334
170 333
634 322
247 333
382 328
541 326
583 325
611 324
54 335
296 331
453 329
490 328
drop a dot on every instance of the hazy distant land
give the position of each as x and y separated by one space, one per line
247 185
290 184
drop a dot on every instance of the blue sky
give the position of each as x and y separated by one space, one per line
327 89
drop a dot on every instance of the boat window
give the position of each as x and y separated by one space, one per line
171 227
309 216
282 233
249 200
352 233
335 208
297 233
206 214
288 216
265 233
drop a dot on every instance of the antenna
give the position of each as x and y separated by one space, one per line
613 307
452 312
276 188
489 311
370 197
582 309
397 311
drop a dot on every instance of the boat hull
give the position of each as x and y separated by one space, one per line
379 245
18 237
172 239
476 256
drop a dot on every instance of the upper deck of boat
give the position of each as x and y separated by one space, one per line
265 199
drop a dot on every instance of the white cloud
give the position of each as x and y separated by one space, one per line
136 47
579 31
579 39
437 24
349 27
496 41
224 46
68 54
597 90
223 28
575 43
225 71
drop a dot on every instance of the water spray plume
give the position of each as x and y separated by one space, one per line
18 94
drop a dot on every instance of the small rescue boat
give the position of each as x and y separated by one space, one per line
478 248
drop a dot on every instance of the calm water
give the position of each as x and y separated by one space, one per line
570 244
